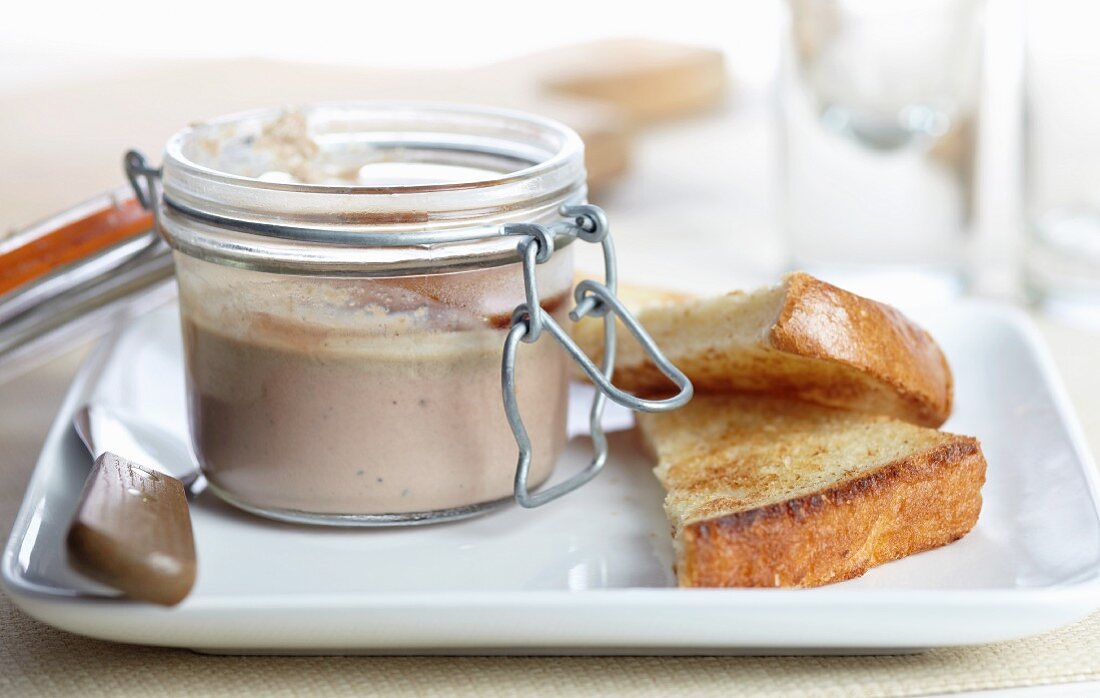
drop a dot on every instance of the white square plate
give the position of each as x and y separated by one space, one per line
590 573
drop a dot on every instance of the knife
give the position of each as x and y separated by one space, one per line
132 525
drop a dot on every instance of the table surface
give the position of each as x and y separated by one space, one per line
701 184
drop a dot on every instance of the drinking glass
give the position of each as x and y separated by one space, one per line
879 110
1062 159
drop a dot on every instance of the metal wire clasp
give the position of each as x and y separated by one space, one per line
145 181
529 321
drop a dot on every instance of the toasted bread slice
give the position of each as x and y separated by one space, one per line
803 338
766 491
637 296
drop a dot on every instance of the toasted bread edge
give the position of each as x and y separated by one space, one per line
824 345
917 503
824 322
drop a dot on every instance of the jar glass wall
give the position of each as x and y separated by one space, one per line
334 379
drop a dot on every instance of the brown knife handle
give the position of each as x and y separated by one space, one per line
71 236
132 532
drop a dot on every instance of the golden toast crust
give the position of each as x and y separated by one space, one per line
820 321
916 503
806 339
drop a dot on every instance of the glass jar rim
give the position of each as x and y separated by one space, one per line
570 145
219 204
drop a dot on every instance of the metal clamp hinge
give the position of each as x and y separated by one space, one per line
529 320
145 181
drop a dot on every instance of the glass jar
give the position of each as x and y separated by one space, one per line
337 376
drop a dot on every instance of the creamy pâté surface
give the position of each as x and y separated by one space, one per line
364 396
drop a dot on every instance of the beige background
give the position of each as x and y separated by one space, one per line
700 185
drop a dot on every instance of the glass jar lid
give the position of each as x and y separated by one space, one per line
365 187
